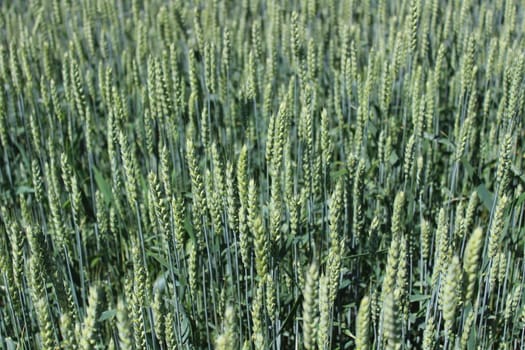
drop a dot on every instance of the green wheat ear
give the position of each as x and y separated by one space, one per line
88 336
271 297
363 324
471 259
261 247
257 312
336 242
159 312
123 326
323 330
429 334
451 298
228 338
310 307
496 229
399 203
67 329
390 323
45 323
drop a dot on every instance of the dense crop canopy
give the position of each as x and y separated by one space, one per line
253 174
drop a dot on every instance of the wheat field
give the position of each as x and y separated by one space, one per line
254 174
